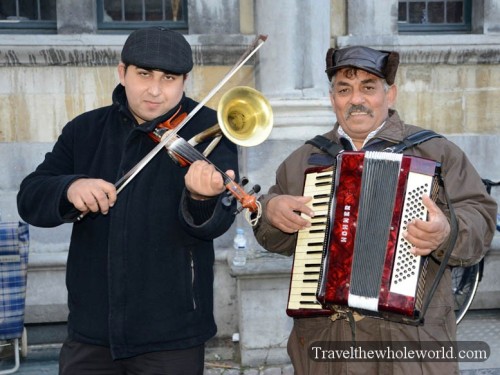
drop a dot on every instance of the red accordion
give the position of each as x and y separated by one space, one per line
354 255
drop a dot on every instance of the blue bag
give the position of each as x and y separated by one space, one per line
14 249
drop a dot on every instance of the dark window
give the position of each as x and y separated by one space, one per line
28 16
130 14
434 16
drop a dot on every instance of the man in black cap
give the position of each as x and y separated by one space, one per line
362 93
140 264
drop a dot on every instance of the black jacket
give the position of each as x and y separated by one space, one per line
140 278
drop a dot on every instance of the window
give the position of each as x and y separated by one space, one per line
440 16
26 15
130 14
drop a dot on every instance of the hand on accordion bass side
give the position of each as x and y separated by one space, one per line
284 212
427 236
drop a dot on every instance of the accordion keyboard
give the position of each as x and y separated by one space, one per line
309 248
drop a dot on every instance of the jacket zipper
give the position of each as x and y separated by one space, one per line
192 280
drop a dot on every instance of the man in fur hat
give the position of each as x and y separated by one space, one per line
362 94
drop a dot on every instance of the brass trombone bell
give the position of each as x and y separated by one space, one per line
245 116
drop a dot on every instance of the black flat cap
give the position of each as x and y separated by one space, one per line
383 64
158 48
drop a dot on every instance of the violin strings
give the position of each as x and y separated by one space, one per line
188 152
184 149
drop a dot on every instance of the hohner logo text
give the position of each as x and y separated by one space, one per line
345 224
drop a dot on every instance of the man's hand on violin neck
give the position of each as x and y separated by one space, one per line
203 181
92 195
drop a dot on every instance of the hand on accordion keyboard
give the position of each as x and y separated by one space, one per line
283 212
427 236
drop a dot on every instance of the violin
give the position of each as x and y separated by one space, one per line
184 153
162 128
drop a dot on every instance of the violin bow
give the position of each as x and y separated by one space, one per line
127 177
233 188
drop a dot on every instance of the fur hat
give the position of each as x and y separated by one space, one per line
383 64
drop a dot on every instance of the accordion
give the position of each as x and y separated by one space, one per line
354 255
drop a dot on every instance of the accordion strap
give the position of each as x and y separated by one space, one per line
332 148
325 145
446 257
413 140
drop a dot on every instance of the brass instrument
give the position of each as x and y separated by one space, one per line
245 118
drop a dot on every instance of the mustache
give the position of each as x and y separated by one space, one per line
358 108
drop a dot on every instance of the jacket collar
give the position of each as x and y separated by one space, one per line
392 131
120 100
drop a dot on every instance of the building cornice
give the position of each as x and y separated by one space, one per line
104 50
450 49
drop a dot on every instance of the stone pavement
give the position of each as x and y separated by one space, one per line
483 325
478 325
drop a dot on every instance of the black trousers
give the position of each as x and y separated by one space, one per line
83 359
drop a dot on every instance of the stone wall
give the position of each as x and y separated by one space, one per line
447 83
46 86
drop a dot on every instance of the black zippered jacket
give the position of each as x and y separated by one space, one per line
139 279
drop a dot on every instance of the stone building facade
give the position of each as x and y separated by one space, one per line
447 82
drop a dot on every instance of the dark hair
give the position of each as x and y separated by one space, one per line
126 65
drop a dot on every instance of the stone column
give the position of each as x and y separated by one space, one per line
214 17
382 16
76 17
291 63
491 16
